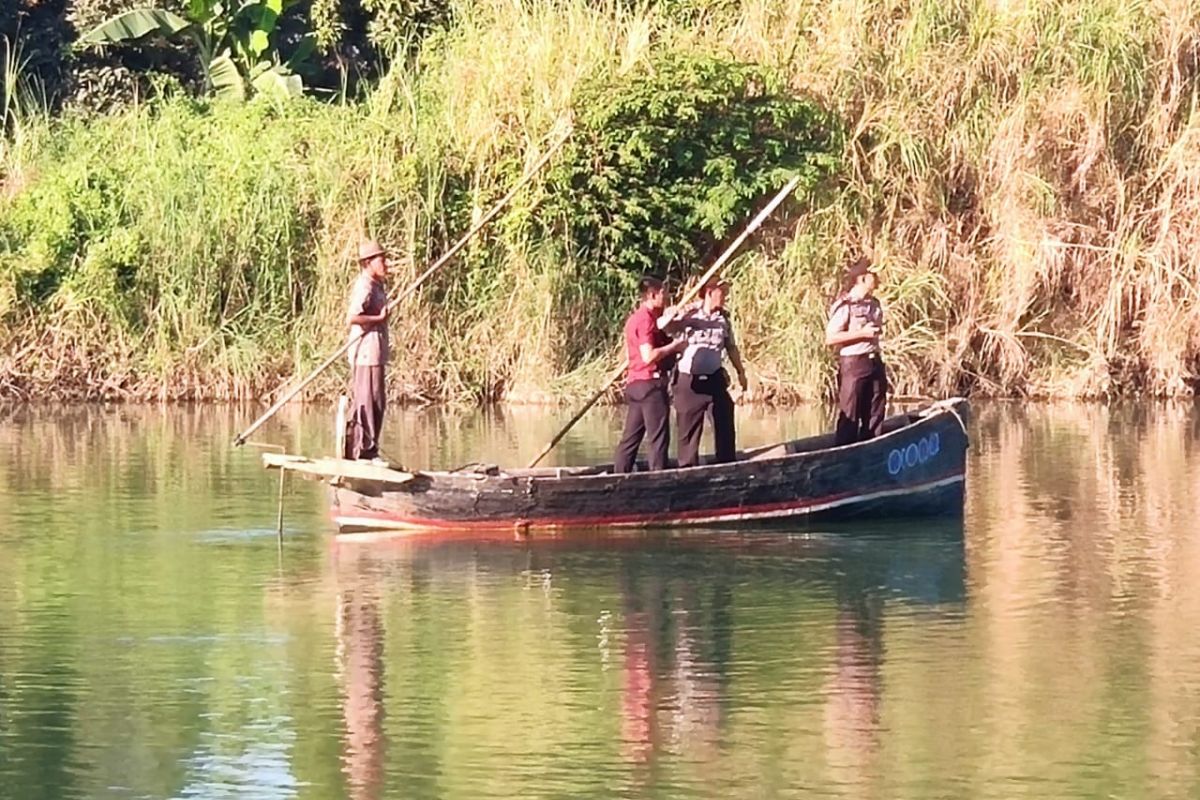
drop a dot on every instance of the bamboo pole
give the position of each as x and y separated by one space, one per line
410 289
688 296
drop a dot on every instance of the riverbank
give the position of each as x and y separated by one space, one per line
1026 178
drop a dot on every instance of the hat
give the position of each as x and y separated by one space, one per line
368 249
858 267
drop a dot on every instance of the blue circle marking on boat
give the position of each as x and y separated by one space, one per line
915 453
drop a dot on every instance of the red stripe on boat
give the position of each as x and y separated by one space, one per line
732 512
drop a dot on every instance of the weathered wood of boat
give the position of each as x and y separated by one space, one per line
917 468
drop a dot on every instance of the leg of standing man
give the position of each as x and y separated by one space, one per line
724 436
877 404
635 429
656 410
368 405
850 406
690 408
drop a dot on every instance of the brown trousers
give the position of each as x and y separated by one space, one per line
366 413
697 396
862 398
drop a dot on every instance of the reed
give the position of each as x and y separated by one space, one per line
1025 174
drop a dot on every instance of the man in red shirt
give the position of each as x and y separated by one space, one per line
651 356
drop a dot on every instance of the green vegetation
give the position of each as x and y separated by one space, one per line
1026 175
234 43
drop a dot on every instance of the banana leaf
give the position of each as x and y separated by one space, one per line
135 25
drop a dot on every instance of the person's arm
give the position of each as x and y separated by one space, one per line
367 320
865 334
735 358
652 355
675 318
358 307
735 355
836 333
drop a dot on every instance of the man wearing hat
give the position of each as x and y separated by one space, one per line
702 385
368 352
855 324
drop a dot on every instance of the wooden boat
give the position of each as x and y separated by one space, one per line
916 468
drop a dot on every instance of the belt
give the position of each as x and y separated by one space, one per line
698 377
871 356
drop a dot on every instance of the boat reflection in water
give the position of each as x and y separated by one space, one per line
673 631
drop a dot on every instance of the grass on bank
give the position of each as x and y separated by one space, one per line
1026 174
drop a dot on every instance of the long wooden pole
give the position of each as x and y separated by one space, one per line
688 296
412 287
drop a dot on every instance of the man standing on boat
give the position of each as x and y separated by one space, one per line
702 385
367 315
855 325
651 356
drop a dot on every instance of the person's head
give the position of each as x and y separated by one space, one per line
652 292
715 292
861 280
373 258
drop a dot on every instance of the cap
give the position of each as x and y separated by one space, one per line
858 267
369 248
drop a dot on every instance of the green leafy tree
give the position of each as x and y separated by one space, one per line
667 159
234 42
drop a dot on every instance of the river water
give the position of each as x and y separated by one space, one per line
157 640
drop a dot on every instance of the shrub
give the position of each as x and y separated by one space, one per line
668 158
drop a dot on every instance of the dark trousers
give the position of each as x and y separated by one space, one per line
366 413
647 416
695 397
862 398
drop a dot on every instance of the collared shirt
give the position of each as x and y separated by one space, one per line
368 297
642 328
848 314
709 334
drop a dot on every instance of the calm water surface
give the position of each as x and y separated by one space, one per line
156 640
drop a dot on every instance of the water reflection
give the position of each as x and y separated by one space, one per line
360 668
154 642
662 614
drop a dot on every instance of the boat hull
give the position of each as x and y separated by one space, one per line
916 469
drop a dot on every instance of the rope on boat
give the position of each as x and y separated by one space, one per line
947 405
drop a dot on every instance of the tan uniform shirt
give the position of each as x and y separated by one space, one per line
853 315
708 335
368 297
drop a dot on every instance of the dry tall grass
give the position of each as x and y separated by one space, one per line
1026 173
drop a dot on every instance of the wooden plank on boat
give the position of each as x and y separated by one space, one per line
336 468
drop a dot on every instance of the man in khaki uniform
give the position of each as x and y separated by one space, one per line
702 384
855 325
368 352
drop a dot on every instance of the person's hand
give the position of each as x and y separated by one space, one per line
870 331
383 315
743 384
679 345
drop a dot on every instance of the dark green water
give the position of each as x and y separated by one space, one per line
155 641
